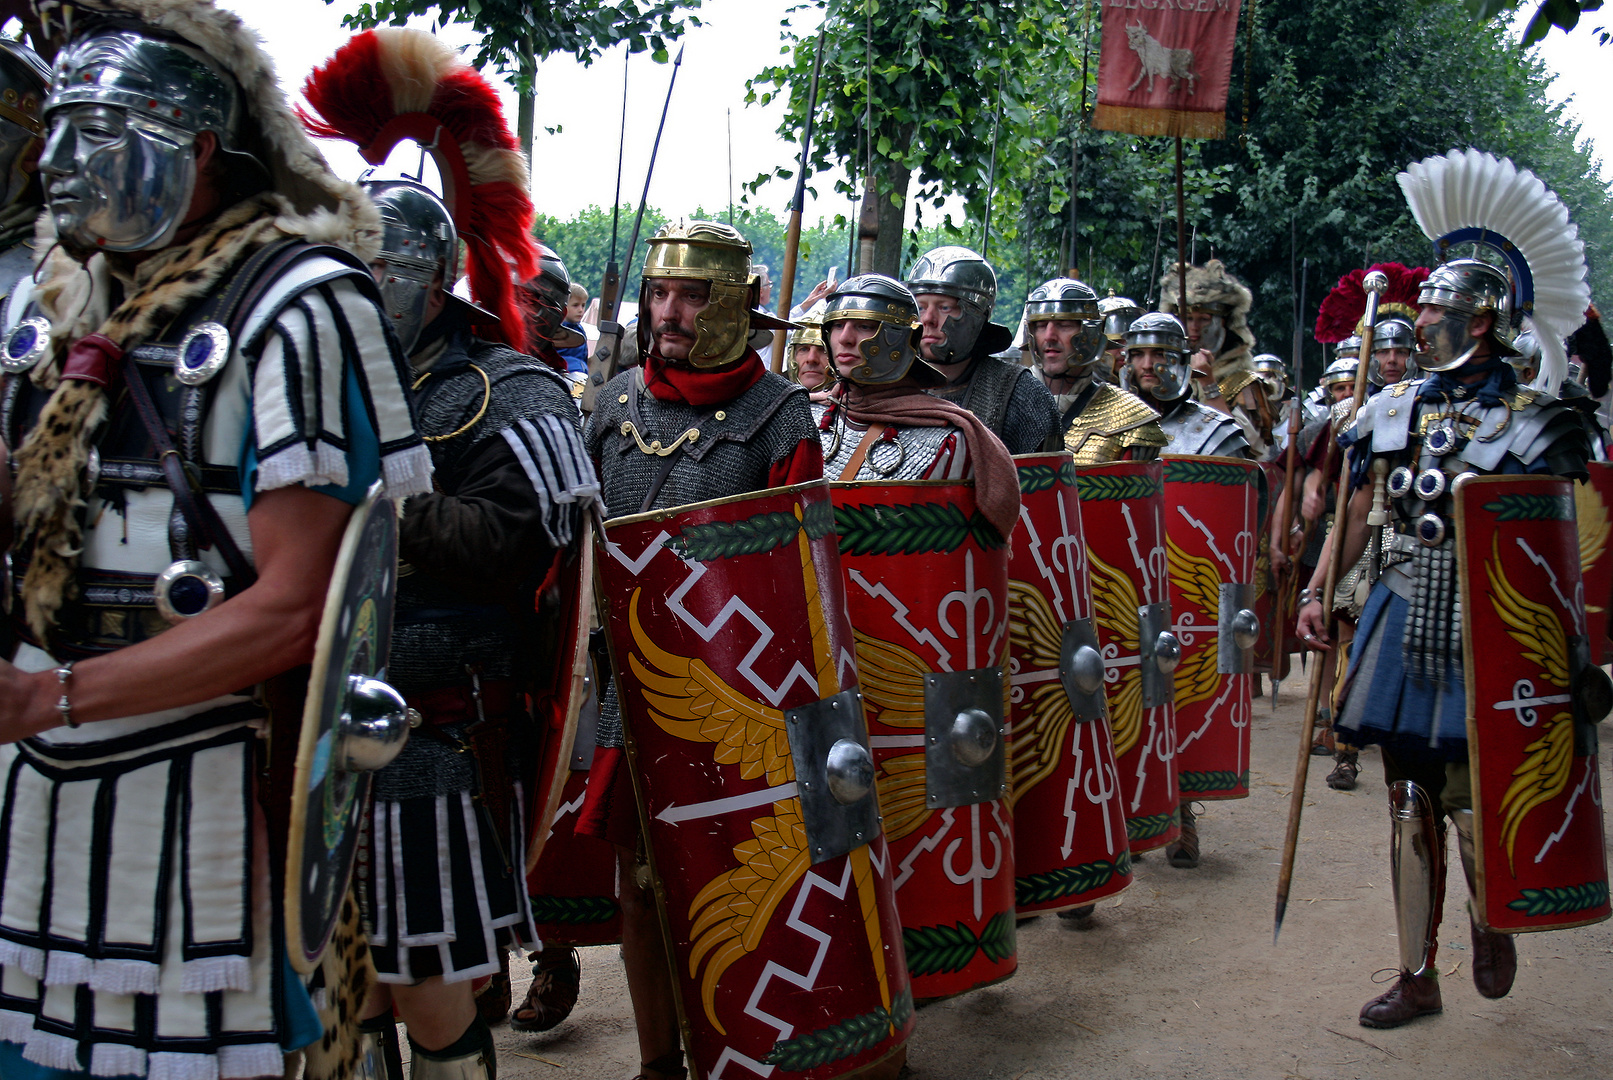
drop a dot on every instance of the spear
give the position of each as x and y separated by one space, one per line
1375 283
792 242
610 331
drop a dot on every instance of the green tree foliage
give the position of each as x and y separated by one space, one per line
940 68
1563 14
1342 95
583 243
515 33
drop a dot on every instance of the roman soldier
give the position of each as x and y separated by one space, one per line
1221 345
1067 332
1429 449
180 509
1118 313
956 290
700 419
1157 369
806 355
547 294
511 487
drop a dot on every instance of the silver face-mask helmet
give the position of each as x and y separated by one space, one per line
1157 330
1273 372
1465 289
1066 300
24 81
893 352
123 113
1118 314
420 248
1392 333
966 277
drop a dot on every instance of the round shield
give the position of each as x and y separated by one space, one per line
1123 509
1070 845
352 724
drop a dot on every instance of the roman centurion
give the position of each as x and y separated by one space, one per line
956 290
179 507
1067 330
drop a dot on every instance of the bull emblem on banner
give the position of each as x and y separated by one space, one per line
1155 59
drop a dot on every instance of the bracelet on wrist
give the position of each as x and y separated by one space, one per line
64 707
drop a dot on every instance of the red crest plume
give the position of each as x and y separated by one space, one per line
388 85
1345 307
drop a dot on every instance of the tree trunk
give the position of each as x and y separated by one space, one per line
527 104
894 180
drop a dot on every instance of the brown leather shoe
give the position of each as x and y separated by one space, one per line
1183 852
556 980
1495 961
1346 768
1410 997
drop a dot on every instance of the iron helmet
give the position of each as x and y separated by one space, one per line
1157 330
1348 349
549 291
712 252
1118 313
963 275
893 352
1071 301
1273 372
1393 332
1466 289
1339 371
420 248
24 81
172 92
1527 362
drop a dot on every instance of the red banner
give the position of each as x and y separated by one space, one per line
1165 67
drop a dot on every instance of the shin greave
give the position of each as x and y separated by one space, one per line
1417 867
379 1056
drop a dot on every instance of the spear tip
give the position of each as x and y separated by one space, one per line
677 60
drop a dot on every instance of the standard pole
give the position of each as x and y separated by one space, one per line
1181 236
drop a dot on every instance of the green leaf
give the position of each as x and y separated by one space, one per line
1566 900
1064 882
1521 507
573 910
1200 782
1146 828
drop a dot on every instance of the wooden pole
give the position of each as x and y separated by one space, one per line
1181 237
1375 283
792 242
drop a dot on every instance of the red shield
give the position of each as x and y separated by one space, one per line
927 586
1070 845
1211 517
727 626
573 887
1593 503
1537 800
1123 511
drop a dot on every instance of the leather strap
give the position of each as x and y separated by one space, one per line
856 463
204 521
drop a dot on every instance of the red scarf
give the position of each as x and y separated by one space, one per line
673 381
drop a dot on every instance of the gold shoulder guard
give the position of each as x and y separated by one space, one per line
1112 422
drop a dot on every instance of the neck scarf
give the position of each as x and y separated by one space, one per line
700 387
996 479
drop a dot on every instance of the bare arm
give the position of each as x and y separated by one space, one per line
267 629
1311 621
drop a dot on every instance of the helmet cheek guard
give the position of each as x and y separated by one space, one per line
723 327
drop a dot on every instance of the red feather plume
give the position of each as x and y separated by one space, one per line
374 93
1344 308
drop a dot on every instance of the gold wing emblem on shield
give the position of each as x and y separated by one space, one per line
893 685
1200 584
1033 628
1114 599
1593 528
1543 773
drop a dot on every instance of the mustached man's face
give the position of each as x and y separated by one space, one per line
1055 341
674 305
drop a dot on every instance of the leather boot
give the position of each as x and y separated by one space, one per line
1417 872
1410 997
1495 957
1183 852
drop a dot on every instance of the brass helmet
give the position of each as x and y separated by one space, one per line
809 332
712 252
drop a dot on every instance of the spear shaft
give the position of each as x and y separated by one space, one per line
792 242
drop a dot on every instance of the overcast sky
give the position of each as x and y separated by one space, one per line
577 167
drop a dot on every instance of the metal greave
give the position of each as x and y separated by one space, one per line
1463 820
379 1056
1417 868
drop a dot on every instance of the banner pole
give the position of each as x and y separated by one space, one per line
1181 238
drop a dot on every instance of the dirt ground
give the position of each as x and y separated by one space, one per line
1180 977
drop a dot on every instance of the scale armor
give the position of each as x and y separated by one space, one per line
1191 428
1111 424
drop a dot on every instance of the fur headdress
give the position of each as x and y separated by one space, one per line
1344 309
1210 286
388 85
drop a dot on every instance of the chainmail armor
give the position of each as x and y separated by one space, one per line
1010 400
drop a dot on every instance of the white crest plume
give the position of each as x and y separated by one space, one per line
1468 189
